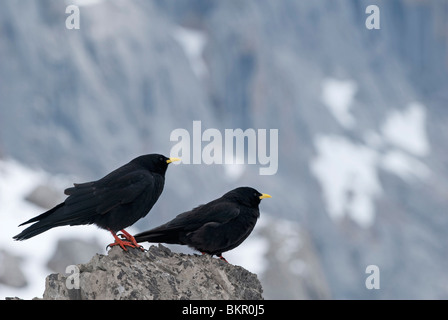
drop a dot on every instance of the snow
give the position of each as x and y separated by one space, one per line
347 173
406 129
193 43
17 181
250 254
405 166
337 96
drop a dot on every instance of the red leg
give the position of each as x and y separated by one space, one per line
219 256
120 242
222 258
131 239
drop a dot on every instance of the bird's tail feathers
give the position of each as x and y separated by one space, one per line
158 236
44 222
33 230
43 215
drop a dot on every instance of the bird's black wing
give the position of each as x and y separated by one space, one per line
174 231
100 197
228 225
212 236
214 211
87 201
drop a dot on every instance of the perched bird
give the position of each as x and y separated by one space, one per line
213 228
113 202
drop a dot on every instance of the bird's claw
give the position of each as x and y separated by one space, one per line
130 240
120 240
120 243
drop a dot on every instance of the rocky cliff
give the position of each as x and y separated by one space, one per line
155 274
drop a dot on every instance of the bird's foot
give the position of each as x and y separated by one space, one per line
131 239
219 256
222 258
121 243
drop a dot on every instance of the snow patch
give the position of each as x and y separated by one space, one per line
406 129
348 171
193 43
405 166
16 182
337 95
348 176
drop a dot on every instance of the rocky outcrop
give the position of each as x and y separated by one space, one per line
155 274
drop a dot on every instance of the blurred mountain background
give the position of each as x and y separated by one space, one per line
363 170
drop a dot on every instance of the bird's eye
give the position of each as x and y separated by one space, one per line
161 159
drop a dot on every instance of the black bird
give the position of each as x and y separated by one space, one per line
213 228
113 202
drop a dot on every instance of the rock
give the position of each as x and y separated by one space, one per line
155 274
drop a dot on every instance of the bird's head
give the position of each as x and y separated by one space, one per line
247 196
155 162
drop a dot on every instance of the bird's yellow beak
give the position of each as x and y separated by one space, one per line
264 196
172 160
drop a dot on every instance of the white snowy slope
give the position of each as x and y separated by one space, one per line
193 43
406 129
405 166
348 176
16 182
337 96
348 171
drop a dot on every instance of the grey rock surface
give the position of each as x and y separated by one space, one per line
155 274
